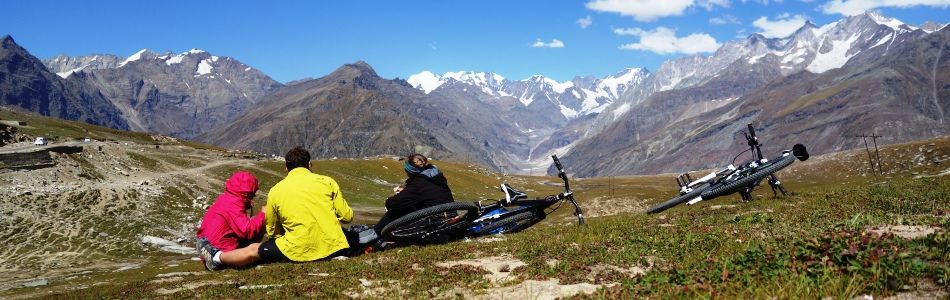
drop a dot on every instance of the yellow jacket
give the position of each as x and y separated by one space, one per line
304 211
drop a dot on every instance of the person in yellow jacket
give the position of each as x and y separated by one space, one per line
303 216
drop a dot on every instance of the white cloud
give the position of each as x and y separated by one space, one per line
585 22
782 26
555 43
663 40
725 19
710 4
856 7
650 10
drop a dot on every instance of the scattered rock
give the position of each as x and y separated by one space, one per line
366 282
599 269
376 289
905 231
188 286
177 274
499 266
534 289
36 283
259 286
166 245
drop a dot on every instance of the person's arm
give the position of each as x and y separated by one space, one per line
343 211
407 198
245 228
271 219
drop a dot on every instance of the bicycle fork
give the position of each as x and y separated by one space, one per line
774 183
776 186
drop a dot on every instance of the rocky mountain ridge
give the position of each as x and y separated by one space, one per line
176 94
25 83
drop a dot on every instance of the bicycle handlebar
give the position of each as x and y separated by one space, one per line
560 173
557 163
567 189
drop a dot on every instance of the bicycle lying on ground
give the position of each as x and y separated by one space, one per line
456 220
735 180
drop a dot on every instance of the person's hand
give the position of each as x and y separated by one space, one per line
398 189
264 209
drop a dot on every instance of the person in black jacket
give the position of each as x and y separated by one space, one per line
425 187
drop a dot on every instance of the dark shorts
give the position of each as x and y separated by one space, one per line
269 252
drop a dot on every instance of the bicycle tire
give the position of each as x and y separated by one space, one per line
401 229
678 199
732 187
516 222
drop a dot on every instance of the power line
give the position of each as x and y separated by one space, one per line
873 159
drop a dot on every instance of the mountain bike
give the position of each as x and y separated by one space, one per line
732 179
456 220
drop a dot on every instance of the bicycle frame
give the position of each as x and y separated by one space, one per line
731 172
490 213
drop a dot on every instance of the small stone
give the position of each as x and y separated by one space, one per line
365 282
36 283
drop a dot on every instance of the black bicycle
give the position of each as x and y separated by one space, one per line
456 220
731 179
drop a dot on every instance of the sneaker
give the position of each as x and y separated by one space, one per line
207 252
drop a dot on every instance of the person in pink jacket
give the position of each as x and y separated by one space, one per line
227 236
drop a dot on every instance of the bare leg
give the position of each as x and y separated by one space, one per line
241 257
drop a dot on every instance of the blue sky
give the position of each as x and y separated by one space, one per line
560 39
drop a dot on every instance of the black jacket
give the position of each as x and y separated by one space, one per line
424 189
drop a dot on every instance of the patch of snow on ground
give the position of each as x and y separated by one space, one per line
425 81
134 57
833 59
568 112
204 68
174 60
70 72
624 108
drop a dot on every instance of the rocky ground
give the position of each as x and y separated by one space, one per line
108 207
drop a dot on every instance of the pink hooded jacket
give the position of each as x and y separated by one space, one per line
225 224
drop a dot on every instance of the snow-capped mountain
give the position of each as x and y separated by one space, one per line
64 65
578 97
699 91
813 48
177 94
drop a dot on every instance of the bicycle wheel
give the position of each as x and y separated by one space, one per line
678 199
437 221
735 186
511 224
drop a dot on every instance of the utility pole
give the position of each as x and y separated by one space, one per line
872 159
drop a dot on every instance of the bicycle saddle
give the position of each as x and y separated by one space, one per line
511 194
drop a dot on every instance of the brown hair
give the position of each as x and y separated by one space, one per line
297 158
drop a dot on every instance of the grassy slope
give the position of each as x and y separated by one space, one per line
812 244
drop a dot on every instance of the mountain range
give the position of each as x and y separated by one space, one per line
819 86
175 94
26 83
